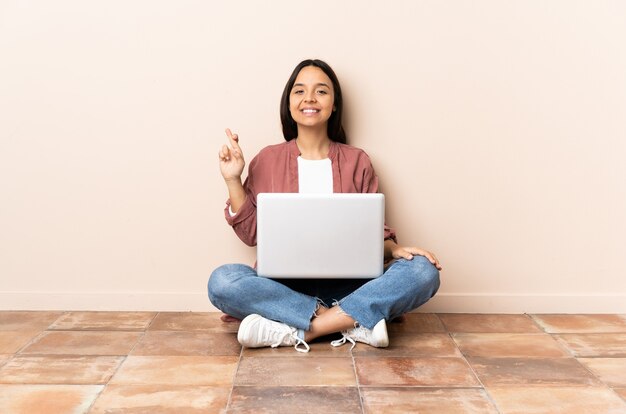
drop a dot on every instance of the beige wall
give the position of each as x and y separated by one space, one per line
497 128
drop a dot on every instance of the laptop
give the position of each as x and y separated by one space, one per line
320 235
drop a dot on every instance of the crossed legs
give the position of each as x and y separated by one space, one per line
238 291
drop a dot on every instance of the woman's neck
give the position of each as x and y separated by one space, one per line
313 145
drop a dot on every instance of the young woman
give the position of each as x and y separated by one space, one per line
314 158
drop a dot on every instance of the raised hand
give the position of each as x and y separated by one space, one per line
231 158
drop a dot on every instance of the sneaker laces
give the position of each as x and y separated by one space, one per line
289 336
302 342
346 337
358 333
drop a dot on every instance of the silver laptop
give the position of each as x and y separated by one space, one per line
320 235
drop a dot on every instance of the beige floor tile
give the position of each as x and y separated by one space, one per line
304 400
104 321
192 321
27 320
161 399
509 345
47 399
421 344
417 323
582 323
430 372
426 401
594 345
532 371
13 341
59 370
295 371
176 370
612 371
551 400
84 343
488 323
187 343
318 349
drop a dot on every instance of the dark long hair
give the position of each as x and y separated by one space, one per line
335 128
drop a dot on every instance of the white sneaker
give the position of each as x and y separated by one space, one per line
376 337
256 331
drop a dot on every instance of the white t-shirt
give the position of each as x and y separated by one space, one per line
314 177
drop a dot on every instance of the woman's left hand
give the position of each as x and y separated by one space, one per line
408 253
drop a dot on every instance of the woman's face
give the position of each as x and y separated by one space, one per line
312 97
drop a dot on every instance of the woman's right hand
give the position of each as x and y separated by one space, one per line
231 158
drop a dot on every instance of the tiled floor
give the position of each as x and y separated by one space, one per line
142 362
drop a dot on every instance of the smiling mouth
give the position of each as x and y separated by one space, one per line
308 111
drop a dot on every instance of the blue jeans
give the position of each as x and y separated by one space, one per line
237 290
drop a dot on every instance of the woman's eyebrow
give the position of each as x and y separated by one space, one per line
318 84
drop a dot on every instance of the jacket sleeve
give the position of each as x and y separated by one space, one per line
244 221
370 185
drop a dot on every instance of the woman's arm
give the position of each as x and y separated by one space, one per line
243 216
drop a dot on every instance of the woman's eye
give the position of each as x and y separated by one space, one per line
298 92
322 92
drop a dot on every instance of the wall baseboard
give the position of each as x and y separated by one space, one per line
198 302
107 301
525 303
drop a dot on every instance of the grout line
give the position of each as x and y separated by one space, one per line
616 393
232 386
441 322
34 340
124 358
563 346
62 315
42 332
604 384
590 371
614 390
536 322
358 384
152 321
9 358
482 386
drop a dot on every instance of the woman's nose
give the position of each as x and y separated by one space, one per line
309 97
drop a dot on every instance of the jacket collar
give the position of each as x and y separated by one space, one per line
333 149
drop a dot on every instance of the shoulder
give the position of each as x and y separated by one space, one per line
353 154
